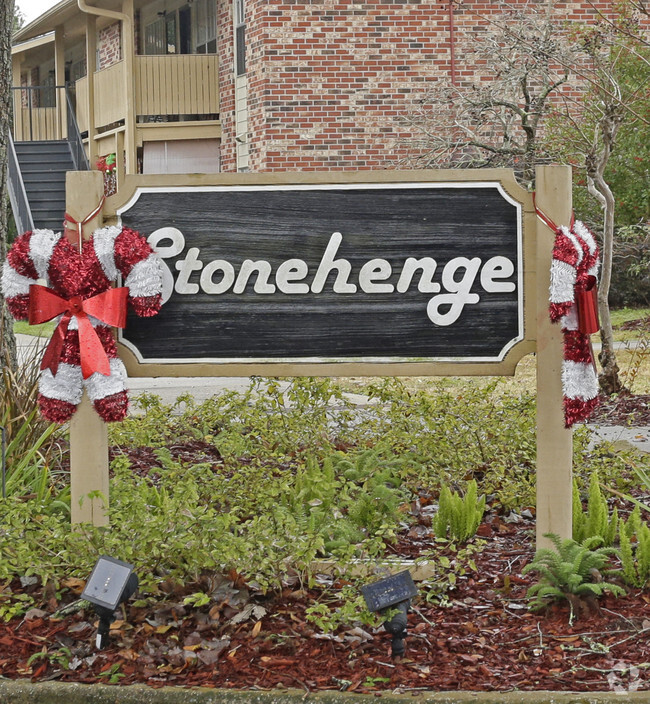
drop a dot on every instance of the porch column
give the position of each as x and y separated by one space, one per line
91 68
59 80
128 47
17 101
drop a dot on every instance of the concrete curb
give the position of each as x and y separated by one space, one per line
26 692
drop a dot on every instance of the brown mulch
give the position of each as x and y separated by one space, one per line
626 409
483 638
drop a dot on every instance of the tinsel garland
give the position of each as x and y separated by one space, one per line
75 275
574 264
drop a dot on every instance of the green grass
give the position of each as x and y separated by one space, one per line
624 315
22 327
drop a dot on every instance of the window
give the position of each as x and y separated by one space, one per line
206 26
154 37
189 29
240 38
183 156
170 33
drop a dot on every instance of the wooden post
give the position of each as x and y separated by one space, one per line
59 80
128 48
91 69
554 441
17 98
88 433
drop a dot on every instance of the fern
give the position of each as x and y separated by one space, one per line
570 570
596 522
635 556
459 517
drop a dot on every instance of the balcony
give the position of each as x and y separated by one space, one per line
171 85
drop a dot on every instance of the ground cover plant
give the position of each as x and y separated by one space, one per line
247 516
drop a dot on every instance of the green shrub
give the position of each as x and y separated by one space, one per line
635 550
459 517
571 571
596 521
34 450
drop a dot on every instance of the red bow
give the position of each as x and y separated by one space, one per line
109 307
587 302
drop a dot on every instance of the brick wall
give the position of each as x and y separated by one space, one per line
109 46
327 79
226 83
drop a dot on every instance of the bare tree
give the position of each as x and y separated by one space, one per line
586 135
540 69
496 119
7 18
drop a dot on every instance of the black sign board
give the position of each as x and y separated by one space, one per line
390 591
326 273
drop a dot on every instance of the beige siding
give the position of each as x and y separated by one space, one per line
45 124
81 92
109 95
177 85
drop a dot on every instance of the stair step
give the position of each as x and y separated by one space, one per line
43 166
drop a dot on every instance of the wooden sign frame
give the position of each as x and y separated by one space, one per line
88 437
370 365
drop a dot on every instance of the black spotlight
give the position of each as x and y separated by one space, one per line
110 583
392 592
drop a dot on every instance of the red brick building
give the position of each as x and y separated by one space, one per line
259 85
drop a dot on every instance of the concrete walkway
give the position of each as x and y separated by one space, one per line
26 692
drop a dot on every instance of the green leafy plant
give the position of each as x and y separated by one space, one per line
596 521
112 675
635 550
13 605
34 452
459 516
572 571
59 658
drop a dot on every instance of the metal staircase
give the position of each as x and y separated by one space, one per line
46 145
43 166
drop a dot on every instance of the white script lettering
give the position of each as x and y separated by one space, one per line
453 293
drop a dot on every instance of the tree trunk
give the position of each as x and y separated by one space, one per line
609 380
7 339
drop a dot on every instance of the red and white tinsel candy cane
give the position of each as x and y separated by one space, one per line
572 304
78 292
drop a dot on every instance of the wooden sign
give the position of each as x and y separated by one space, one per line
346 260
327 273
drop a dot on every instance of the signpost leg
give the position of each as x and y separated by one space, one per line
554 441
88 432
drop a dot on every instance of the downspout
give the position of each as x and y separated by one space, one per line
452 42
129 78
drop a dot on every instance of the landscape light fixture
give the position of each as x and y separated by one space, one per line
393 592
110 583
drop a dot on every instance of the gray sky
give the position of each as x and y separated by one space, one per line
31 9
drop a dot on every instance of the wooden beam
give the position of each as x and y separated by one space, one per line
554 441
88 433
91 68
128 47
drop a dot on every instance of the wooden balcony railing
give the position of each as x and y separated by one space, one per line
177 84
164 85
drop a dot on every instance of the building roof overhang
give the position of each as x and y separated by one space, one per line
65 13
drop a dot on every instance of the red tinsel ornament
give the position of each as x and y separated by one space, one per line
573 304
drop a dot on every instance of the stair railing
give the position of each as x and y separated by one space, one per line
17 194
74 137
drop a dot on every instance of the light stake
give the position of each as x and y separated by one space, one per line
392 592
110 583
